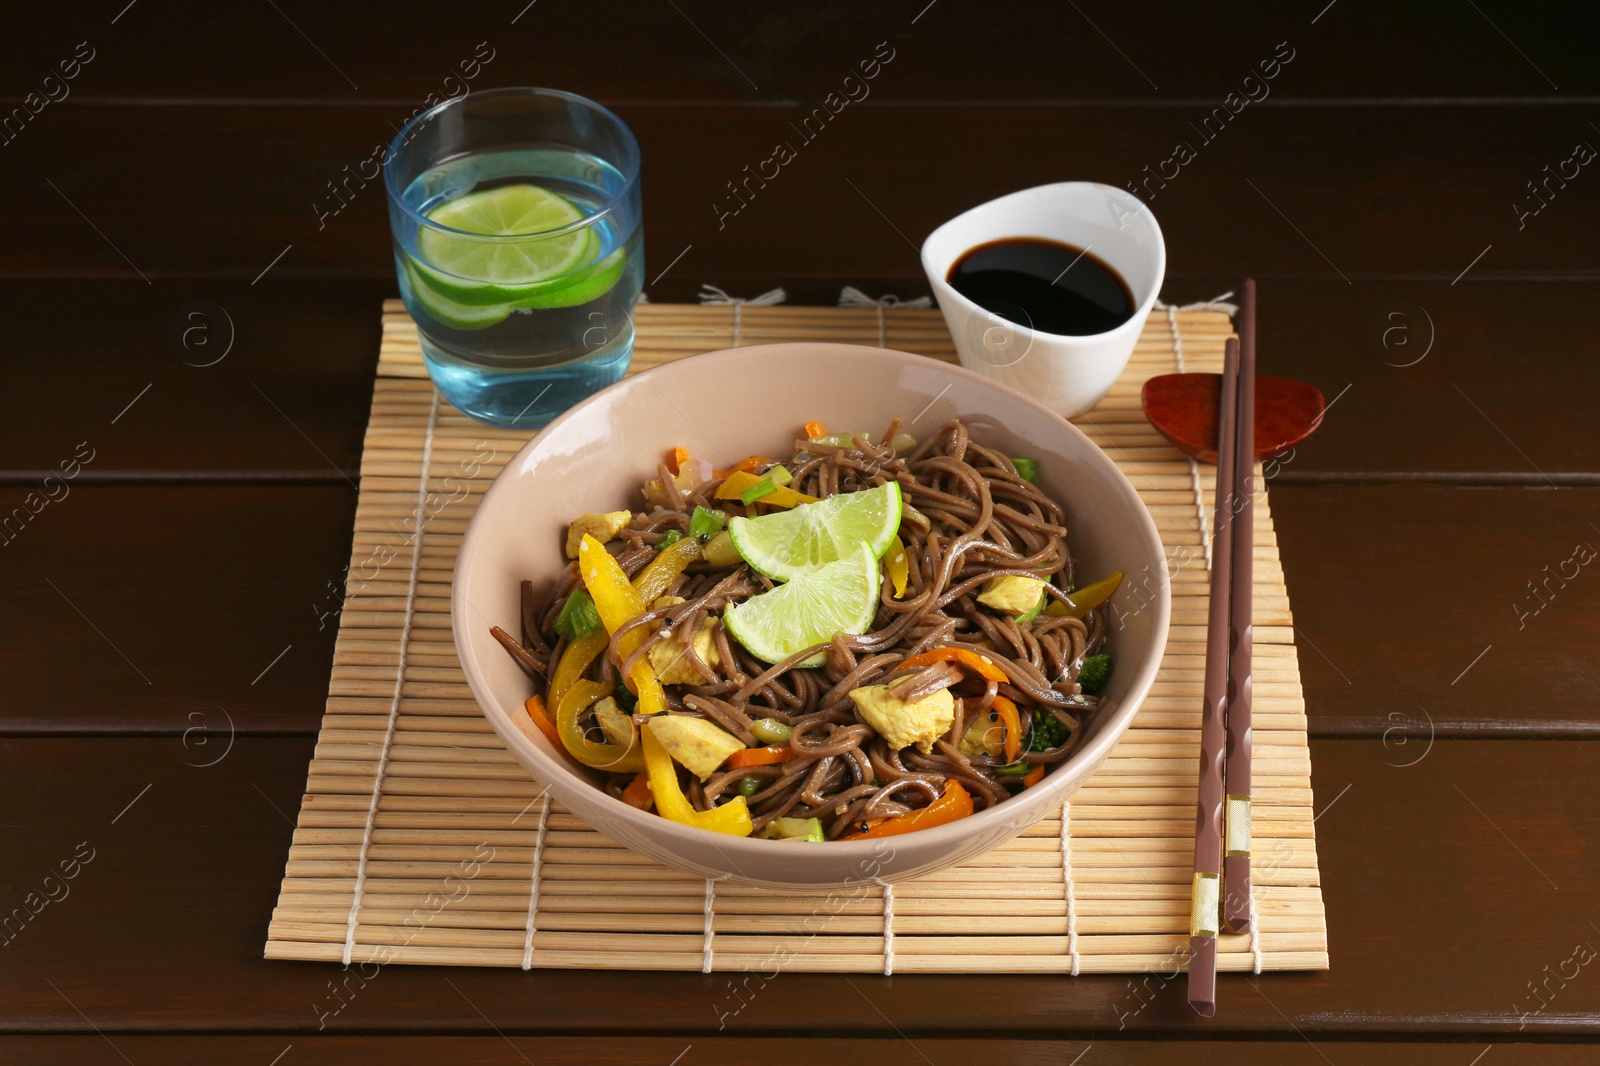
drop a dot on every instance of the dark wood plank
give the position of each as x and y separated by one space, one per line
741 1051
1428 609
162 609
1363 191
198 376
957 50
1489 378
163 930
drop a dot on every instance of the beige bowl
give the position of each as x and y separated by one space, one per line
751 401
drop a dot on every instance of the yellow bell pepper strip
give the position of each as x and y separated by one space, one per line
571 696
1013 722
618 602
732 817
738 483
647 686
954 804
574 661
653 580
897 567
977 662
614 596
607 756
1087 598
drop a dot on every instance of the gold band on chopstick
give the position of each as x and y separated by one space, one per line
1205 905
1236 837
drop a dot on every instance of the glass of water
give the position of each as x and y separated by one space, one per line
516 222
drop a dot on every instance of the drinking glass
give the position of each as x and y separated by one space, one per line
516 223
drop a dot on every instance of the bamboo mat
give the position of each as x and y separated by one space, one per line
420 839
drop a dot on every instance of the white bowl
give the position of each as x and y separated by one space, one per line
1070 374
750 401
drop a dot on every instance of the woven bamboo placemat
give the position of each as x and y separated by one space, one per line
420 839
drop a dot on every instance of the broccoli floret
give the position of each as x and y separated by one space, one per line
1096 670
1047 732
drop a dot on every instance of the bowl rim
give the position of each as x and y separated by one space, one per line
552 769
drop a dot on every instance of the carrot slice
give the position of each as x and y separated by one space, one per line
1008 714
815 430
977 662
749 463
955 803
638 793
760 756
1034 776
677 458
541 718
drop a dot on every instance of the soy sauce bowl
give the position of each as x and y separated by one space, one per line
1070 374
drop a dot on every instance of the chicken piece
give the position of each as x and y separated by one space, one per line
985 736
673 666
1011 593
902 724
602 527
696 743
615 723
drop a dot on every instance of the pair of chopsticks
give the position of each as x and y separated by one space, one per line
1221 889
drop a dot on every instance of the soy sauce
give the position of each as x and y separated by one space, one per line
1044 285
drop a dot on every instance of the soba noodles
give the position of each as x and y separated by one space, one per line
969 518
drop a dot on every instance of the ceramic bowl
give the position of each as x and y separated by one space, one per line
1070 374
745 401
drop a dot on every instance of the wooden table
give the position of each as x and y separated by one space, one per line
169 610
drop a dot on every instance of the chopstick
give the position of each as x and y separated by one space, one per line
1205 904
1236 910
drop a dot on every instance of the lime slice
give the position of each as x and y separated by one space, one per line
452 312
839 597
501 271
589 284
786 544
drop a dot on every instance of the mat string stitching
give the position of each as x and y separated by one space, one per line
1255 929
399 681
705 947
533 888
850 296
1066 879
710 295
888 928
1194 467
1216 303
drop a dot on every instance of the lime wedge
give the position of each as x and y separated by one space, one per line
786 544
839 597
501 271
